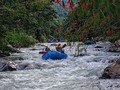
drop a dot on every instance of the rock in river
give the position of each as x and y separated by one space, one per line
112 71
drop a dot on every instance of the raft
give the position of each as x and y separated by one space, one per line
54 55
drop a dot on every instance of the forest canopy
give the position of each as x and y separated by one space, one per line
23 22
26 17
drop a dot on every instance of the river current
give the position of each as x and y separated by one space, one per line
73 73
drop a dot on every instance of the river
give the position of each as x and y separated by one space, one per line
73 73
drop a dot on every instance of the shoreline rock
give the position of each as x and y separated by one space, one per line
4 54
7 50
112 71
115 47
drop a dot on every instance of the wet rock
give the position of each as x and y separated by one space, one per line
111 61
28 66
11 66
117 43
4 54
33 66
12 49
115 47
98 47
112 71
7 66
22 66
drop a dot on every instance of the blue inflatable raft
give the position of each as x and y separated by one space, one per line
54 55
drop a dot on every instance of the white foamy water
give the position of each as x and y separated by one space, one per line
73 73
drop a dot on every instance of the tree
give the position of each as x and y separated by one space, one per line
96 16
26 16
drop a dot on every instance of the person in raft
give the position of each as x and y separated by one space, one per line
59 48
47 49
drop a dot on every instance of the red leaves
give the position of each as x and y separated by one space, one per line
57 1
88 3
82 38
108 17
71 6
74 23
108 32
83 5
70 3
58 29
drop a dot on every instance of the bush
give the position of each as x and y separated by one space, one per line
43 38
19 39
114 37
2 44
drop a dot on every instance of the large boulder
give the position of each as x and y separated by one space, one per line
7 66
112 71
115 47
12 49
11 66
28 66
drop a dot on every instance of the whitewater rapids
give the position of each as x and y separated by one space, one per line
73 73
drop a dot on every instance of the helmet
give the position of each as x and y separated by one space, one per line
46 46
59 44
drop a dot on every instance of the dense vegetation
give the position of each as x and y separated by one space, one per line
23 22
91 19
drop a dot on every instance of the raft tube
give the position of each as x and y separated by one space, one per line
54 55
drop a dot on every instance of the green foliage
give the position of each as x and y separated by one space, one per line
43 38
26 16
19 39
94 18
114 37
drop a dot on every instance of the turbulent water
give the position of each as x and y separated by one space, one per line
73 73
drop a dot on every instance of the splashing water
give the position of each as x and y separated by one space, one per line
73 73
